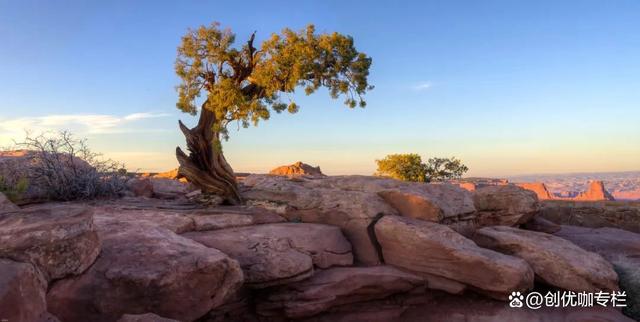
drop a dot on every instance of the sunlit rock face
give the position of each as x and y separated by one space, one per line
595 192
539 188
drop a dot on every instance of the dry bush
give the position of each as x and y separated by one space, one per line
64 168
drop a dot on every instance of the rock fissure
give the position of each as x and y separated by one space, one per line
371 231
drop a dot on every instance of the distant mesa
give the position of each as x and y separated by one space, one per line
539 188
595 192
473 183
297 169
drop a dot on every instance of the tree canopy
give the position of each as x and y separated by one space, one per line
409 167
405 167
246 83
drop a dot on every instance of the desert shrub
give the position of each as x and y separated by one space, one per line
406 167
64 168
441 169
13 189
409 167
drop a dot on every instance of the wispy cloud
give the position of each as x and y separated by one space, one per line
423 86
141 116
78 123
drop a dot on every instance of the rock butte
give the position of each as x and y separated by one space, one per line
298 168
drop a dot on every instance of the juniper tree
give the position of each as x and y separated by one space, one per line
409 167
245 84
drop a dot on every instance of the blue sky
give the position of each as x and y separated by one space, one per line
510 87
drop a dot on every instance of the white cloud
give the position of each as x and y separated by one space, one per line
77 123
146 115
423 86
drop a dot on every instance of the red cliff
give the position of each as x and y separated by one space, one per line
539 188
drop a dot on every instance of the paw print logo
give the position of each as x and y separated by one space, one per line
515 299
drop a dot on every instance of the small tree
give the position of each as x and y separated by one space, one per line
409 167
441 169
245 84
405 167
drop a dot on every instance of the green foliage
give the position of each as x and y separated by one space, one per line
441 169
405 167
409 167
244 84
13 190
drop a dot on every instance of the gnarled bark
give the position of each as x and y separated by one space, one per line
206 166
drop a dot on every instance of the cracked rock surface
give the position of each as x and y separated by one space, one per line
274 254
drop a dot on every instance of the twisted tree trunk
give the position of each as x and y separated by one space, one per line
206 166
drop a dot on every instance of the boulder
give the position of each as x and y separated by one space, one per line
305 201
429 248
432 202
148 317
621 248
505 205
164 188
297 169
140 187
60 240
6 205
22 292
214 220
542 225
145 269
334 287
441 202
354 203
554 260
182 221
275 254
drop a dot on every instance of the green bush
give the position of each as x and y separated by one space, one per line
409 167
13 190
